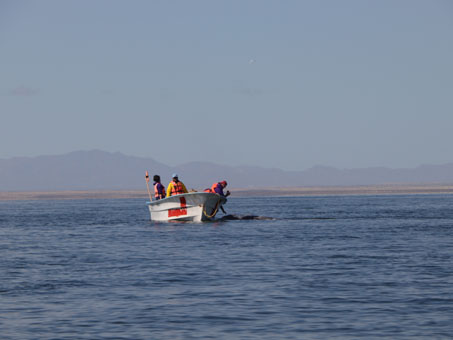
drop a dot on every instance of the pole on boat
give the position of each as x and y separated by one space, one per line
147 185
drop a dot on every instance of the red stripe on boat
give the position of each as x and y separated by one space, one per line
179 211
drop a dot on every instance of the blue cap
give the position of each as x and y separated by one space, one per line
174 175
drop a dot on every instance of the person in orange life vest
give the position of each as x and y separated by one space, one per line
159 189
176 187
217 188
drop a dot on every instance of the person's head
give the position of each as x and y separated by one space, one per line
175 177
156 178
223 184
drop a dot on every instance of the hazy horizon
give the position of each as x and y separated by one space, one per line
287 85
217 163
94 170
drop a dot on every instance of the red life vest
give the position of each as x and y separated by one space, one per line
176 188
159 195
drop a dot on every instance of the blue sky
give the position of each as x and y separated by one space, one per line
285 84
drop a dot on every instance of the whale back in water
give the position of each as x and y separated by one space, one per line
243 217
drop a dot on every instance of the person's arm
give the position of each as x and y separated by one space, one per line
170 186
162 190
184 188
219 190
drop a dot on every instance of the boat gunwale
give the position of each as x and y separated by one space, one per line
186 194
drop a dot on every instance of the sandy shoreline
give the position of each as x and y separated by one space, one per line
239 192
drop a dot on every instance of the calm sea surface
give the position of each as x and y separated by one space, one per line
344 267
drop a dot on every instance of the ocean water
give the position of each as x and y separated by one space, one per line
338 267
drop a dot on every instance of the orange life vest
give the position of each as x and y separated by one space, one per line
212 189
214 186
159 195
176 188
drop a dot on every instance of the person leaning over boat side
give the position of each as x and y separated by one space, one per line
159 189
217 188
176 187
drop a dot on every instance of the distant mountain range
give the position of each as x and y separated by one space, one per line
99 170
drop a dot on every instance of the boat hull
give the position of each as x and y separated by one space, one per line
193 207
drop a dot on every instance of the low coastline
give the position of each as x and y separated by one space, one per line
241 192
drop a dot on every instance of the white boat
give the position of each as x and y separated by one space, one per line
193 207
